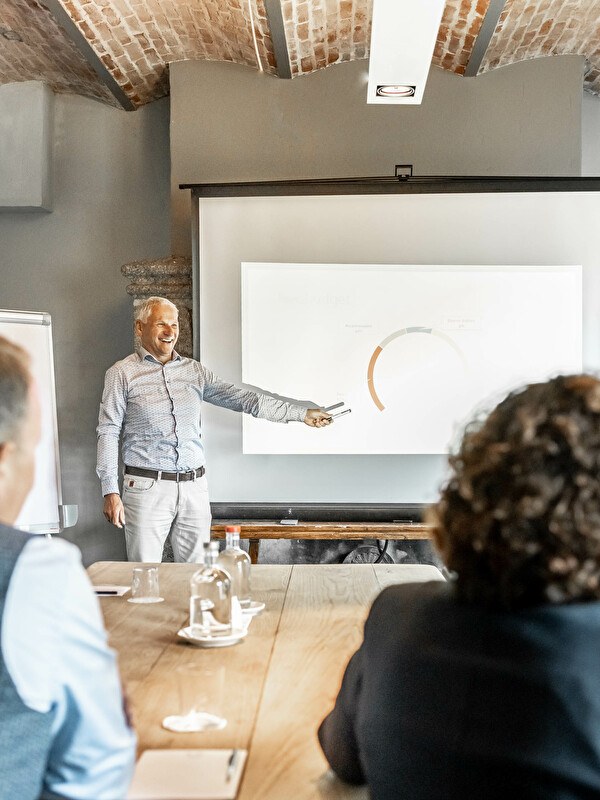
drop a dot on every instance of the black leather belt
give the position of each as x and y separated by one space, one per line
158 475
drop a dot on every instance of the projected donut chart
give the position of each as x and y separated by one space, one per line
404 332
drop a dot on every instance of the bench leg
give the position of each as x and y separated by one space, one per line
254 547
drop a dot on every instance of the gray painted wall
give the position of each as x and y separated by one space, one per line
111 206
590 135
231 123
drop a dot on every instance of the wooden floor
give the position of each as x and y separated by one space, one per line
281 680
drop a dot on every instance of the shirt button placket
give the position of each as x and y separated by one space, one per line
168 387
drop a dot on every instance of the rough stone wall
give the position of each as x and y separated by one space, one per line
169 277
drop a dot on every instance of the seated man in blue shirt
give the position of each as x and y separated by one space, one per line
63 730
489 686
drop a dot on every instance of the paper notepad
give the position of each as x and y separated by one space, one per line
186 775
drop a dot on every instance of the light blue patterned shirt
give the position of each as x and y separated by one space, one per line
156 407
55 649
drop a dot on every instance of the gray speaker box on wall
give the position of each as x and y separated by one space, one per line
26 146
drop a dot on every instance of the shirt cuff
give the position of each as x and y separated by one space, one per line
297 413
110 486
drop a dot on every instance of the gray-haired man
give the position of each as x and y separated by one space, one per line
153 399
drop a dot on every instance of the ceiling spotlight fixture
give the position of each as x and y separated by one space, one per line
395 91
403 36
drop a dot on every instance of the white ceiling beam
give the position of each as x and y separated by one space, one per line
403 37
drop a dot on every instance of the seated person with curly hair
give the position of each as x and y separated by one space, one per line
489 686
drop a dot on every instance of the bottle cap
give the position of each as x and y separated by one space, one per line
233 528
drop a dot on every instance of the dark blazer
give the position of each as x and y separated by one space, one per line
445 700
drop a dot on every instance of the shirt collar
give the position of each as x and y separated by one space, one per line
146 356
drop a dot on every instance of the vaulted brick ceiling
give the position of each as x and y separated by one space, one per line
118 51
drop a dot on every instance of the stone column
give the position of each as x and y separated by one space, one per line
169 277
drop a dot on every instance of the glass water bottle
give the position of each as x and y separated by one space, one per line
236 562
210 600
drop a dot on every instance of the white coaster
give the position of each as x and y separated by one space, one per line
145 599
193 722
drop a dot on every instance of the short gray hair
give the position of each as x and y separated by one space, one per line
15 380
143 311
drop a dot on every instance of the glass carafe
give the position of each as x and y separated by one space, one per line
210 600
236 562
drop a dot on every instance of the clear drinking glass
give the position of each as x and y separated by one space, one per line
236 562
201 696
144 585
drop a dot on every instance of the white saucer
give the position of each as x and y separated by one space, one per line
141 600
254 608
212 641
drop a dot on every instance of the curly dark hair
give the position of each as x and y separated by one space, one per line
518 520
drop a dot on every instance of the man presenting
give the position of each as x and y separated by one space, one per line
64 732
153 399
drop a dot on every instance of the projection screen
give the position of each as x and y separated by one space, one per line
430 305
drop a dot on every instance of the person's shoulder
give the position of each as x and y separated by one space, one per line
124 363
56 555
192 365
40 547
54 568
187 361
52 565
400 596
118 372
13 534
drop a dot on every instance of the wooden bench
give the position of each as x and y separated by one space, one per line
255 530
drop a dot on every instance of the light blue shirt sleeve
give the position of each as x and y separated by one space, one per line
110 422
55 648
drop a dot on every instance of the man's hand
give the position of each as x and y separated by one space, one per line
317 418
113 509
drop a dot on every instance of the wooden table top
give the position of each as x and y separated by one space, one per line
281 679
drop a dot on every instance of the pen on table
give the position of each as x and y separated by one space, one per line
231 764
106 591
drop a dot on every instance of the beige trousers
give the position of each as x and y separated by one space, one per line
155 508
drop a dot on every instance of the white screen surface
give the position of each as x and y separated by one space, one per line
411 350
33 332
512 230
